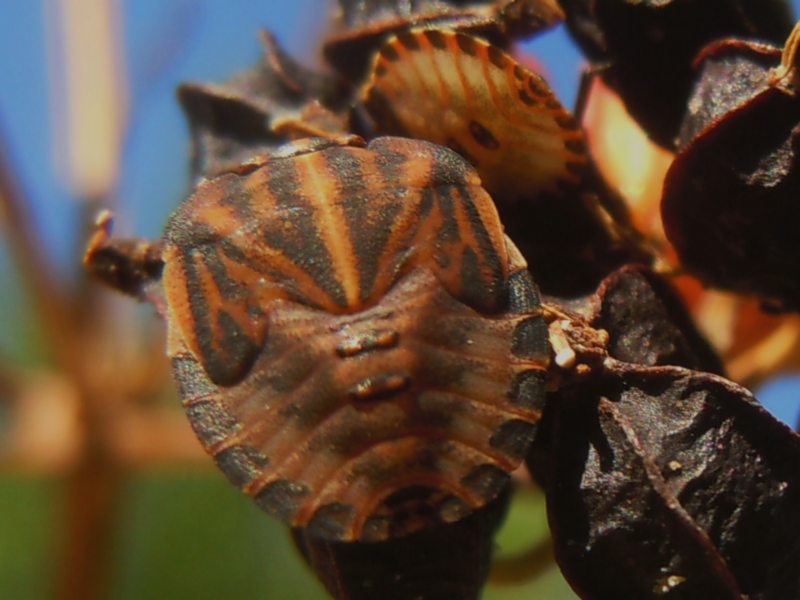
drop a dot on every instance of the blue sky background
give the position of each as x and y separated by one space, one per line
169 42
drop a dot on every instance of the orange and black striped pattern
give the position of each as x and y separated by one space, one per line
331 229
355 341
459 91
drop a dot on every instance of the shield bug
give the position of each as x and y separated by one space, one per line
459 91
355 341
463 92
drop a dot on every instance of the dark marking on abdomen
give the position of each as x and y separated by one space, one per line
211 423
530 339
467 44
436 38
485 480
331 521
522 293
241 464
409 40
282 498
528 390
513 438
483 136
497 57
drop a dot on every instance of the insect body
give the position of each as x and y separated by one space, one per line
355 340
460 91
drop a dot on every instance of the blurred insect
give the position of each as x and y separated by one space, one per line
460 91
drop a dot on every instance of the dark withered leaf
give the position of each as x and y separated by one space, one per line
648 324
668 482
360 13
572 240
645 49
366 24
732 72
257 110
730 198
448 562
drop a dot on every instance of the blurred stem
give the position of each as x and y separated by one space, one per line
52 309
92 488
91 498
525 566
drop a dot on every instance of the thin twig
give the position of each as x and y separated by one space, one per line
23 238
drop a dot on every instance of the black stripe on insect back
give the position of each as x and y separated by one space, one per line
224 368
228 288
235 196
528 389
294 230
448 168
448 231
390 163
491 293
369 223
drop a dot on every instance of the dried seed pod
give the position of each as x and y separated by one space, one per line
368 23
730 198
355 341
663 481
449 561
644 49
459 91
648 324
260 109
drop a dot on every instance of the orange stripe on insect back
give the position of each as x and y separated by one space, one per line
397 248
268 262
323 193
489 223
179 314
211 211
513 119
459 57
438 69
420 65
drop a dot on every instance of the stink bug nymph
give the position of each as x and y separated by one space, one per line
355 341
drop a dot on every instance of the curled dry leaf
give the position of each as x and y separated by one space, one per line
647 323
644 49
667 482
730 198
